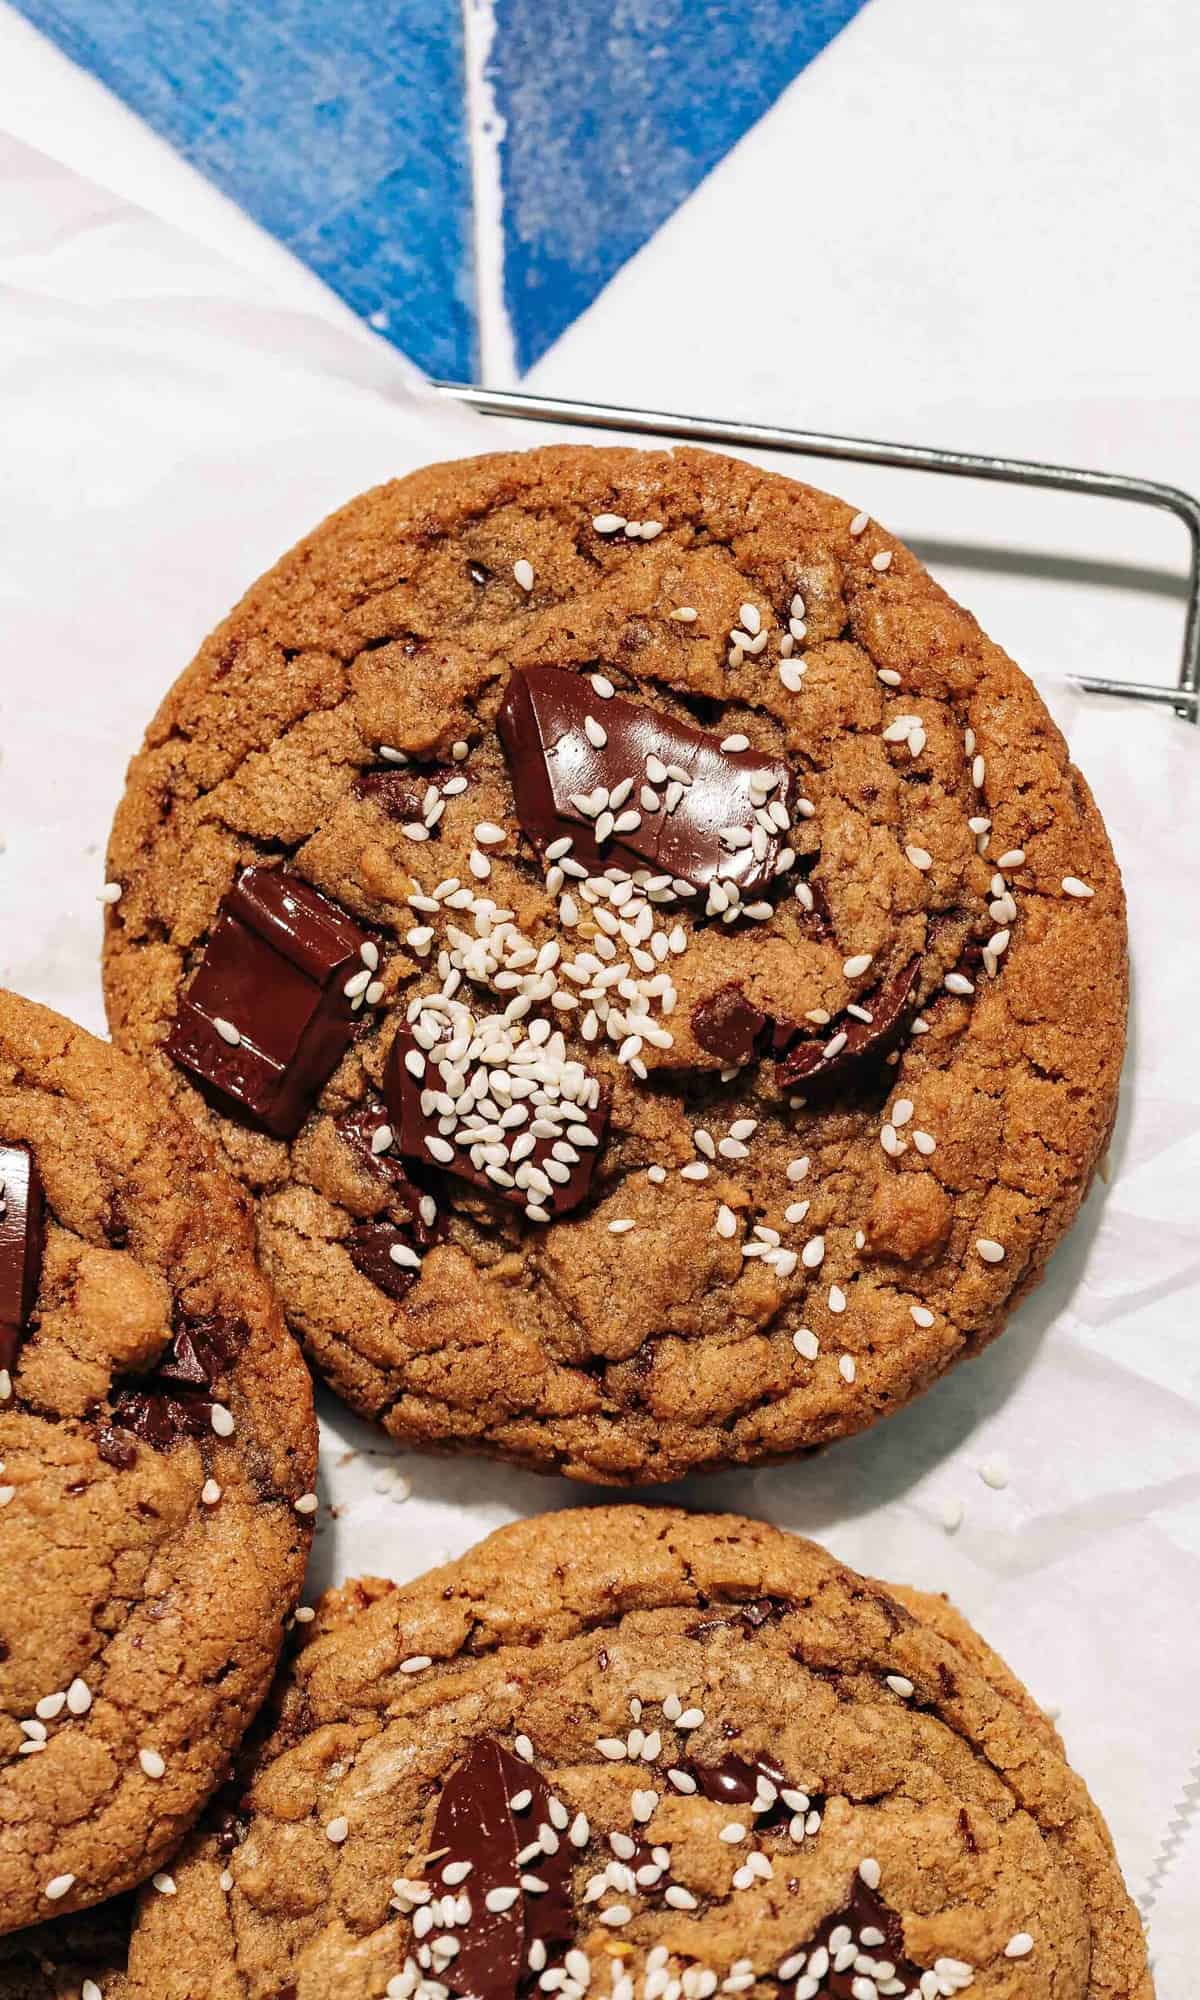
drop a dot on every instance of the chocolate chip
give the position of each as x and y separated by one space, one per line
22 1240
412 1126
728 1025
399 794
159 1418
866 1910
274 971
734 1782
357 1129
553 761
477 1823
161 1409
891 1007
370 1245
115 1447
202 1349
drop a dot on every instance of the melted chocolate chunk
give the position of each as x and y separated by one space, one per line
751 1616
554 762
476 1821
370 1245
864 1043
22 1240
274 970
399 793
413 1126
173 1403
865 1911
730 1026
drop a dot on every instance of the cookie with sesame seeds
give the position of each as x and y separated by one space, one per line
648 954
156 1435
636 1754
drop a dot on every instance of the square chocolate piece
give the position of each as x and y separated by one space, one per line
631 786
267 1018
22 1239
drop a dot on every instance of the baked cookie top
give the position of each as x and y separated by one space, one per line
648 952
632 1754
156 1433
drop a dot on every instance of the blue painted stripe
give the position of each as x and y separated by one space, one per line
338 124
616 110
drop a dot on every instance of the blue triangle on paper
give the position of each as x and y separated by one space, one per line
340 125
615 111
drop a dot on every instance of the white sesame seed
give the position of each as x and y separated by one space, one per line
837 1299
227 1031
901 1685
622 1225
797 1169
615 1916
222 1421
883 560
164 1883
523 1748
611 1747
337 1829
854 967
307 1503
650 529
978 772
957 982
920 857
888 676
607 524
846 1368
90 1991
869 1872
791 673
680 1898
1074 887
523 571
151 1763
111 892
684 614
994 1473
805 1342
58 1886
416 1663
1019 1946
921 1315
690 1719
991 1251
79 1697
951 1514
924 1141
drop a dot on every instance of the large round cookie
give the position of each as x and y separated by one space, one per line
638 1755
156 1433
805 1019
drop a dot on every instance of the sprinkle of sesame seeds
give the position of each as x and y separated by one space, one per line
854 967
523 571
791 673
416 1663
991 1251
58 1886
805 1342
227 1031
307 1503
901 1685
921 1315
860 524
994 1473
883 560
920 857
846 1368
1074 887
110 893
869 1872
1019 1946
164 1883
151 1763
222 1421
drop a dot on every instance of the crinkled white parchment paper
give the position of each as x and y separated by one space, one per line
166 429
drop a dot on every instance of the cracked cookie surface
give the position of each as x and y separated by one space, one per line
846 1117
156 1428
633 1754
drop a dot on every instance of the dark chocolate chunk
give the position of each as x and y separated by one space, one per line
477 1822
865 1911
856 1044
22 1240
751 1616
412 1191
554 763
370 1245
728 1025
398 793
274 973
413 1127
173 1403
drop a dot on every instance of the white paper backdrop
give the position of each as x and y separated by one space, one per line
167 429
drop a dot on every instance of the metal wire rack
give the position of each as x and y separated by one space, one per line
1183 695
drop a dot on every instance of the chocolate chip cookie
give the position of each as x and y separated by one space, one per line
156 1435
627 1754
648 953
